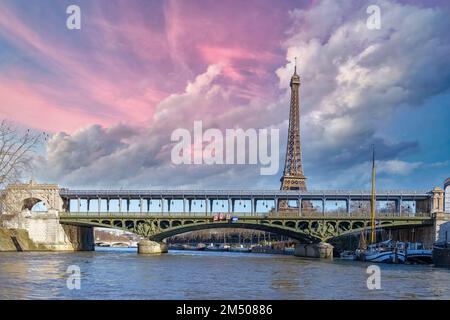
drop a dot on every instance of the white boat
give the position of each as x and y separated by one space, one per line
241 248
385 256
383 252
224 247
213 247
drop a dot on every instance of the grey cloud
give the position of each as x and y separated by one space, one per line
353 77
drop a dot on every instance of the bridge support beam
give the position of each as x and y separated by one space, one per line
320 250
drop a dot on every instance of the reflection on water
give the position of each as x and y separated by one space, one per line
123 274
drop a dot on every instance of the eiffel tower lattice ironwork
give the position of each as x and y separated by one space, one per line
293 177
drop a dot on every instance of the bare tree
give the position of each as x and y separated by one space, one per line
16 150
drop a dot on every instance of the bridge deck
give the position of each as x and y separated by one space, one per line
257 215
244 194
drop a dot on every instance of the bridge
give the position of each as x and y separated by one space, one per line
315 216
306 229
312 216
208 201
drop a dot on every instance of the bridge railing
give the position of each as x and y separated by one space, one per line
280 214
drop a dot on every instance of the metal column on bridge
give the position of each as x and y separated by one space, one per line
399 206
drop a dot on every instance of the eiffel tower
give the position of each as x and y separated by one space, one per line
293 177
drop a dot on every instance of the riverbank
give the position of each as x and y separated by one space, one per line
17 240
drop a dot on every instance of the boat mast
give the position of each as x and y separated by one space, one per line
372 235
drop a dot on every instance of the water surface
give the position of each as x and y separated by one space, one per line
123 274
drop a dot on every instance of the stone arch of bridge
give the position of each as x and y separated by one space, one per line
30 202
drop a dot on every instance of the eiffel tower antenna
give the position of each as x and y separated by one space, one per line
293 177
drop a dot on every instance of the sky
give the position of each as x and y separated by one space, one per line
111 93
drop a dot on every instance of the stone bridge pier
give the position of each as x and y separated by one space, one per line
441 213
44 228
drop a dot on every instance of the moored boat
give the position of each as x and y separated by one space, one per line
395 252
241 248
176 247
383 252
347 255
201 246
416 253
213 247
441 255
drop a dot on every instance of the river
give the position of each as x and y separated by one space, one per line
123 274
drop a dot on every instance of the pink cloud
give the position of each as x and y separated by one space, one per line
91 88
236 61
22 104
123 63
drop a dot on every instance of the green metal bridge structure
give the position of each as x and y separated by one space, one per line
313 217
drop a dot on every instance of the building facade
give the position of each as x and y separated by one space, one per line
447 195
